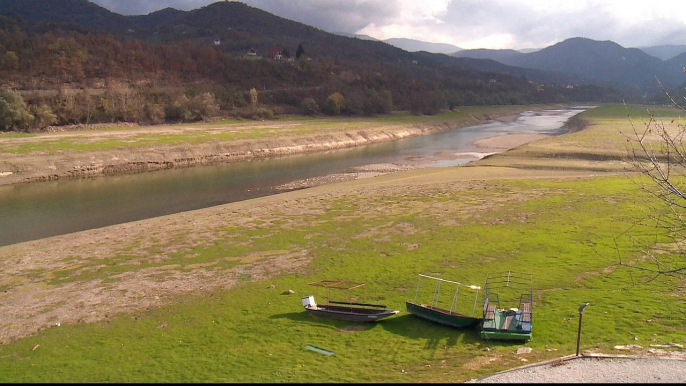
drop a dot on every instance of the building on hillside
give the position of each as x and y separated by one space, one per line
275 53
251 52
217 42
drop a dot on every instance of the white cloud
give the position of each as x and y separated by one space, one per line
471 23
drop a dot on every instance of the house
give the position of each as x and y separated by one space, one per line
251 52
217 42
275 53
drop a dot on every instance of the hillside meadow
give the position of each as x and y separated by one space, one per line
199 296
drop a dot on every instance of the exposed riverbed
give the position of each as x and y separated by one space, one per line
34 211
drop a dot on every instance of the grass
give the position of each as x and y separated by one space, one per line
566 232
221 131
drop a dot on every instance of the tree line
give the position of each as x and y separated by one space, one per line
64 75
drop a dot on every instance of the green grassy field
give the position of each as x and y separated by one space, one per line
566 232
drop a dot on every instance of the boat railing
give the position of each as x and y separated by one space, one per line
511 281
437 291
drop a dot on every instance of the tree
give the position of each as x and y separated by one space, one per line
658 153
335 103
14 114
10 61
253 97
309 106
300 51
43 116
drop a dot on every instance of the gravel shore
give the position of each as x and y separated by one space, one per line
596 370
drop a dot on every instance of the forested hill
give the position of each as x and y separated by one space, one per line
80 12
171 54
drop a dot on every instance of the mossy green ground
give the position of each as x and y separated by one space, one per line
566 232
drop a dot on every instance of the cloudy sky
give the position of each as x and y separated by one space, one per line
468 24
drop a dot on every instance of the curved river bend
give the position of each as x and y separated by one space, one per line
37 210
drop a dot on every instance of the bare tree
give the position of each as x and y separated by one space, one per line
658 152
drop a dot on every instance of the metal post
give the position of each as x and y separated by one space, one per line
578 336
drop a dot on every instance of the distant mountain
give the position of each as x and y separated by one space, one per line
502 56
664 52
157 18
599 62
411 45
83 13
528 73
358 36
209 42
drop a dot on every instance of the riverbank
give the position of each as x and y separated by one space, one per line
126 149
142 301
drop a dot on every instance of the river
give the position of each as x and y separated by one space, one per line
38 210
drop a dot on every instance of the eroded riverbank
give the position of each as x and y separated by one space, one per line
277 138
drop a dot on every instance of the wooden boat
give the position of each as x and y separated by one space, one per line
449 317
350 311
501 323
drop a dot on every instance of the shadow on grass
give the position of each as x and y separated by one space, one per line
412 327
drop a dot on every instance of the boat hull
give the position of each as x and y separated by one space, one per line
351 314
505 335
441 316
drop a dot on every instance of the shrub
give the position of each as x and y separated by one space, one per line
203 107
43 117
14 115
263 113
179 110
309 106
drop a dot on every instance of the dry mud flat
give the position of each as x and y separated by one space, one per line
33 298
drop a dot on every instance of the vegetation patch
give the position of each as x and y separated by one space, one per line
224 315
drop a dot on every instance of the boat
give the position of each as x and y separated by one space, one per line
502 323
449 317
350 310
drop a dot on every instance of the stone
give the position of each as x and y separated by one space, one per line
288 292
524 350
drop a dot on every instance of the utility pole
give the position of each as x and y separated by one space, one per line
578 336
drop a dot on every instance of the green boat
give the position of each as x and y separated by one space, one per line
454 316
501 323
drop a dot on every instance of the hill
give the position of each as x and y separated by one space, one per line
157 67
80 12
503 56
412 45
599 62
665 52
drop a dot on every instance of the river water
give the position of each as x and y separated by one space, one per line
37 210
